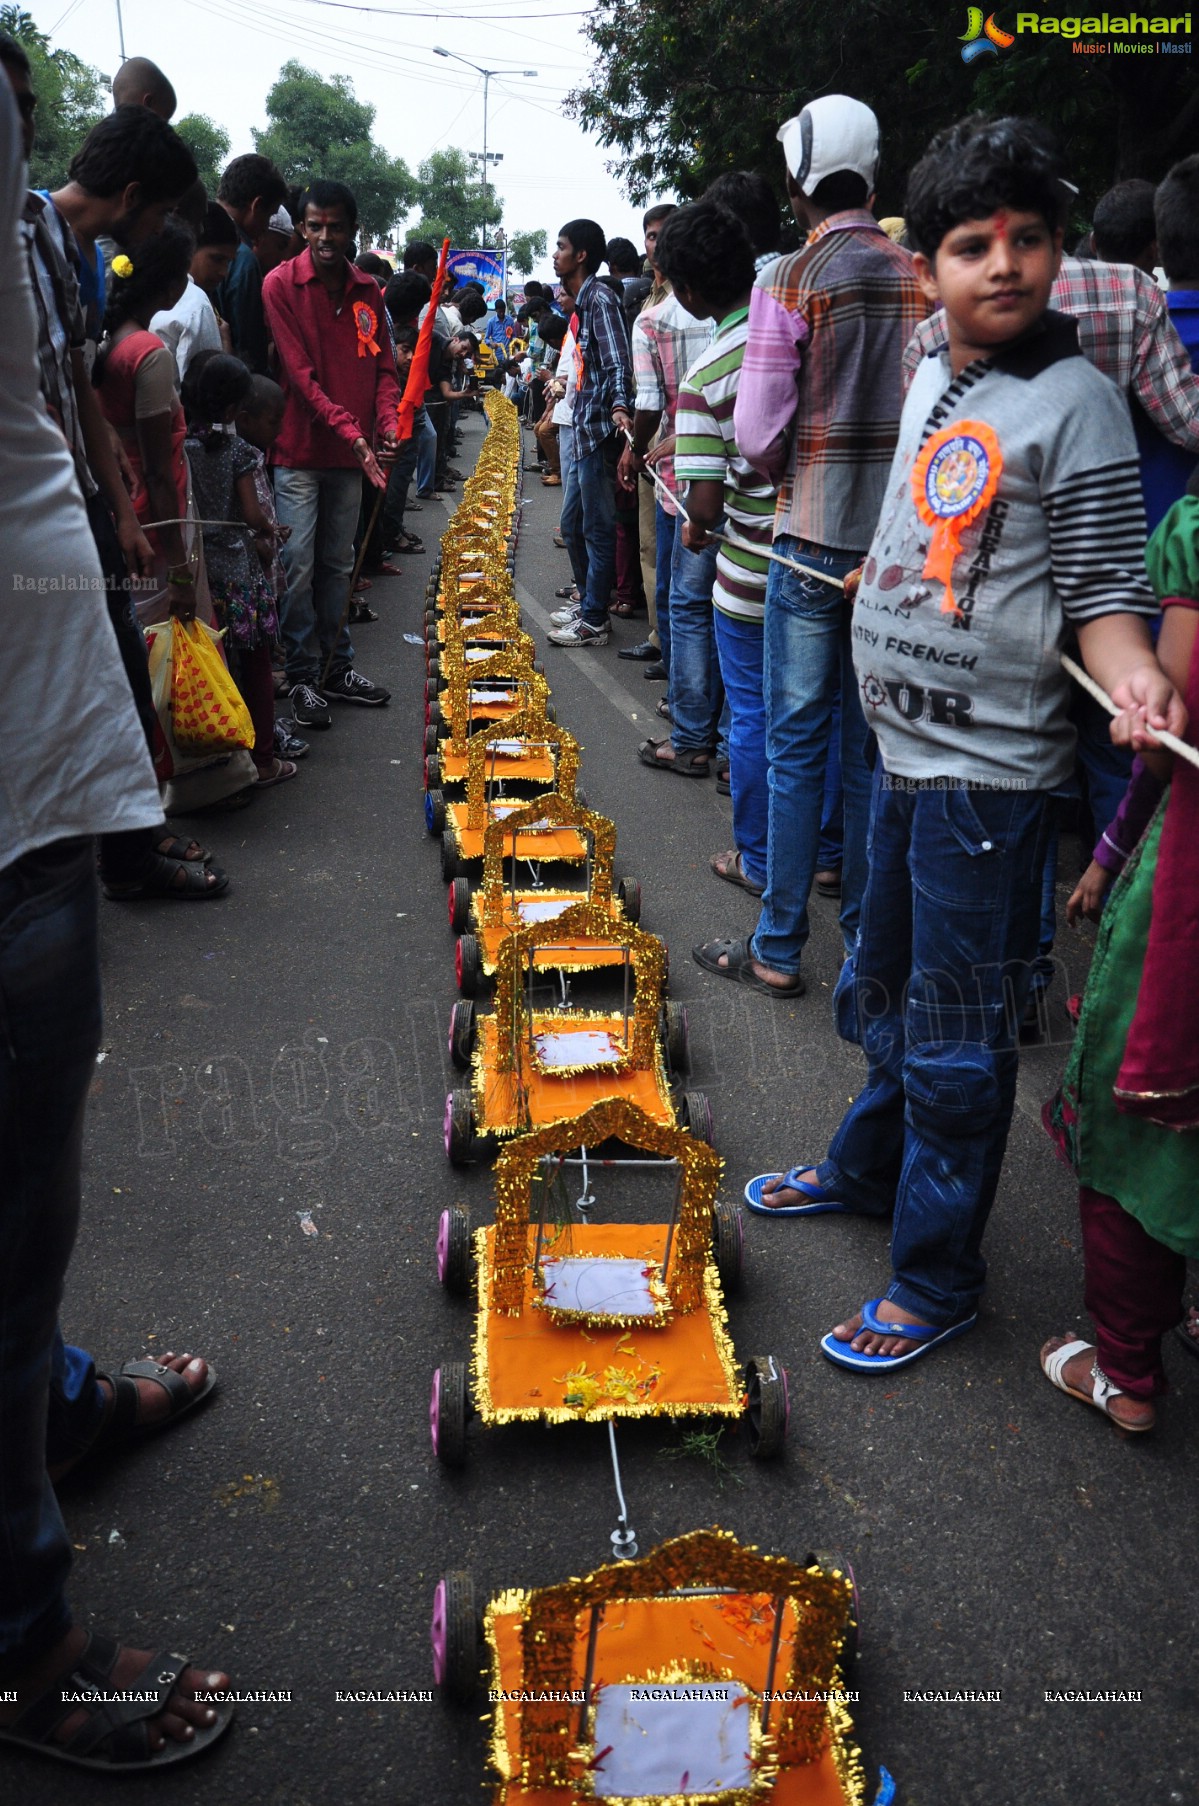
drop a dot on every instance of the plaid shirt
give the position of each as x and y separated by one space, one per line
1124 329
820 398
667 340
607 381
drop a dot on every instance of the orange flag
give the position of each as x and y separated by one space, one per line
418 369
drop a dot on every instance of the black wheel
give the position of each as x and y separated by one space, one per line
728 1244
434 667
695 1112
451 865
430 740
460 1127
766 1407
454 1634
539 667
455 1257
459 904
432 689
468 965
551 713
580 797
629 892
433 713
676 1039
462 1033
435 811
447 1413
432 772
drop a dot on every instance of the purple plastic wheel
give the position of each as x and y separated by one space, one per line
437 1628
435 1410
446 1121
443 1244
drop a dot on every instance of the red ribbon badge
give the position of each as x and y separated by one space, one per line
366 320
953 480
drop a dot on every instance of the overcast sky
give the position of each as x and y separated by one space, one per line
224 55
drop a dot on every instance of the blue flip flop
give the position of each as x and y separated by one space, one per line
821 1203
843 1354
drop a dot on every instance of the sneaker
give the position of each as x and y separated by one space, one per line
351 686
309 708
579 633
287 744
562 617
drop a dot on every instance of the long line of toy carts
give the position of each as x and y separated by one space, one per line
704 1671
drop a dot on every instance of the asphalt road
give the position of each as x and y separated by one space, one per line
263 1175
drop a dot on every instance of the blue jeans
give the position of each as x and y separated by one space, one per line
664 550
696 697
321 507
569 511
832 815
49 1033
739 646
589 526
941 974
807 656
425 434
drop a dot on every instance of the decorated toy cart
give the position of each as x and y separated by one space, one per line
541 840
477 695
585 1321
510 640
534 1065
527 751
704 1673
499 907
521 759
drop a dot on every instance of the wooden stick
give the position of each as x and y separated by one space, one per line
742 545
345 613
1170 741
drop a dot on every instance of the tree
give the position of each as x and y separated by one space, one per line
70 99
317 128
685 89
452 200
209 145
525 251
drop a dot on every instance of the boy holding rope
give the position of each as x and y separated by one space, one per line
1012 518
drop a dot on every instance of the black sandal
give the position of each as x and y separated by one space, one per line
119 1427
694 762
175 847
740 968
158 882
116 1728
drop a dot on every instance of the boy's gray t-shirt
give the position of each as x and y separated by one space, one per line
980 695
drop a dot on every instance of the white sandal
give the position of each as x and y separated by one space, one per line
1053 1366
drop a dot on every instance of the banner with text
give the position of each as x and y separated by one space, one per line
486 267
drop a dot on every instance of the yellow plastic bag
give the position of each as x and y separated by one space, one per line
207 711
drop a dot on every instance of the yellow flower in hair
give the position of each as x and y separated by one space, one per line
122 266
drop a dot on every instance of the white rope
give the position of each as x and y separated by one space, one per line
191 520
732 539
1170 741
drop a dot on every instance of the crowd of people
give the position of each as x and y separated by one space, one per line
863 494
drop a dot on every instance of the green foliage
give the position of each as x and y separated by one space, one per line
452 200
683 90
703 1445
209 145
317 128
525 251
70 98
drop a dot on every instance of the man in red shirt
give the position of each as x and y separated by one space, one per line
338 377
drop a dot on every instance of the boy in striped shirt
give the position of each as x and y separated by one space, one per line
703 251
1011 524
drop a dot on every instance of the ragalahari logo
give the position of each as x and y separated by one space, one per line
982 37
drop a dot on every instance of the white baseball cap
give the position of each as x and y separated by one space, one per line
830 134
280 221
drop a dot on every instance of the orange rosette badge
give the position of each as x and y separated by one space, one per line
953 480
367 322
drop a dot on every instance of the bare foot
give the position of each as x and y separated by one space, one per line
179 1720
864 1341
1131 1413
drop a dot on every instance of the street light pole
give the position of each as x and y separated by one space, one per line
487 75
